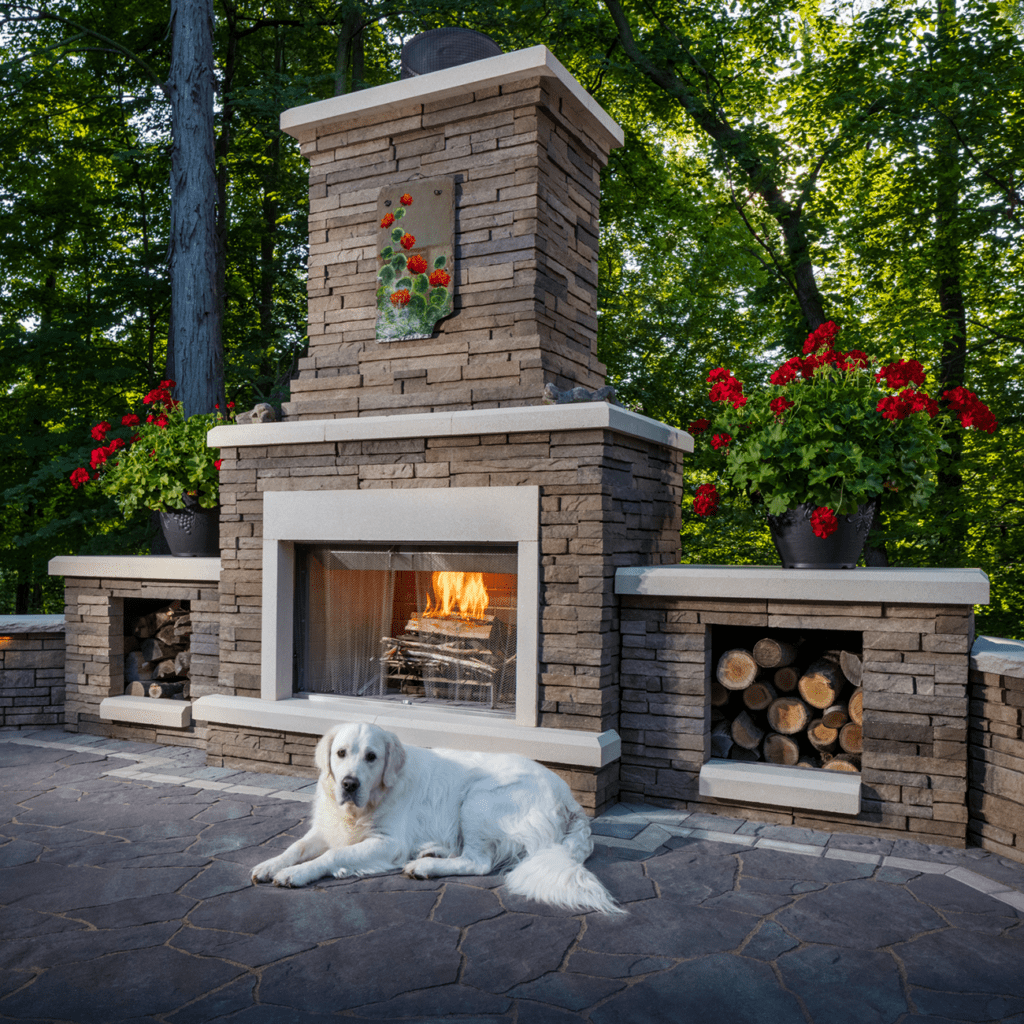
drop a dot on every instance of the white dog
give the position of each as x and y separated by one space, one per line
381 807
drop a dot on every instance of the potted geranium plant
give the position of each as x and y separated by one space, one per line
818 446
162 464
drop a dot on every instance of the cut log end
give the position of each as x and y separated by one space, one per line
788 715
779 749
820 684
772 653
746 732
736 669
856 707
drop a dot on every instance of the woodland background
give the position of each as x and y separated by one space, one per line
784 162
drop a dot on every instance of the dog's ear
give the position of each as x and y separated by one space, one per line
322 755
394 760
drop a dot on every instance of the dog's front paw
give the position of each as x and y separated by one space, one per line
264 872
291 878
419 868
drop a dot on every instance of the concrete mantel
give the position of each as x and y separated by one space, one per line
773 583
137 567
351 110
522 419
31 624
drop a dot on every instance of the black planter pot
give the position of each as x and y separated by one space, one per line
192 532
799 548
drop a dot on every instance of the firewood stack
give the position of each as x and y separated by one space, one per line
157 653
452 658
772 704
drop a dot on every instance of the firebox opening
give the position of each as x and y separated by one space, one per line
787 696
417 624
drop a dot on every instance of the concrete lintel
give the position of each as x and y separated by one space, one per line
781 786
773 583
519 419
137 567
532 62
172 714
418 726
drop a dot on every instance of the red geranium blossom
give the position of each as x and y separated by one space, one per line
387 220
79 477
720 441
401 297
99 432
116 443
706 501
407 241
439 279
780 405
971 410
698 425
130 420
98 457
416 265
900 374
824 522
787 372
727 388
217 464
824 335
406 200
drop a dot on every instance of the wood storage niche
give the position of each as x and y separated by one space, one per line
157 648
788 697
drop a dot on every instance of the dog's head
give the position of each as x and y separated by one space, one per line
359 762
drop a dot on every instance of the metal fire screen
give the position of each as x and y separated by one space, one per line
408 624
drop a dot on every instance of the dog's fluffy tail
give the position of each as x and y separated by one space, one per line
556 875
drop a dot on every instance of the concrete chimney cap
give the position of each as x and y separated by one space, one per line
305 122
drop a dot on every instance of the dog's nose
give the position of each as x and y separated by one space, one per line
350 783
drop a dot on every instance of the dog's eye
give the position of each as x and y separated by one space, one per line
371 756
340 753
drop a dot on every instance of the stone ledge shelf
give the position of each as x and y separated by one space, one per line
777 785
491 72
522 419
773 583
10 624
999 656
170 714
137 567
417 726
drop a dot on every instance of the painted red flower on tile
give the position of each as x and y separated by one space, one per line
440 278
401 297
407 241
416 265
387 220
406 200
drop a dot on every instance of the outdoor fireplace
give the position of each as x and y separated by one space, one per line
408 624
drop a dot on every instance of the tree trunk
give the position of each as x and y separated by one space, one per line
192 258
948 284
348 62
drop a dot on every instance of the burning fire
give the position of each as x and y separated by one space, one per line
461 592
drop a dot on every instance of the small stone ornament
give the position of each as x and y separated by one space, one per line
555 396
262 412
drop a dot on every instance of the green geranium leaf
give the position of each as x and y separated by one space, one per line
440 262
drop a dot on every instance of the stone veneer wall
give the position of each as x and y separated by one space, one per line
31 671
526 231
607 500
94 669
914 773
996 775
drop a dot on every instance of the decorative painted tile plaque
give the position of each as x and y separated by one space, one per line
415 257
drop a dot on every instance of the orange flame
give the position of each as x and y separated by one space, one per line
461 592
